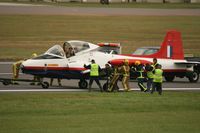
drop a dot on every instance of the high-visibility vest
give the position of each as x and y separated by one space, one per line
94 71
158 76
141 74
150 73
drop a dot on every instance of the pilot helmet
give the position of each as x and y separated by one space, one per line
34 55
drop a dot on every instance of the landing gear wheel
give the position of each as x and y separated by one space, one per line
45 85
82 84
6 82
194 77
169 78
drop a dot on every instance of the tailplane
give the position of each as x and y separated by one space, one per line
172 47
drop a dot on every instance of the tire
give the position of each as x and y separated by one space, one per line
6 82
45 85
83 84
169 78
194 77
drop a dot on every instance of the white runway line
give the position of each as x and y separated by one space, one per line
85 90
17 4
6 63
9 73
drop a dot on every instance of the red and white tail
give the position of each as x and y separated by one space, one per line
172 47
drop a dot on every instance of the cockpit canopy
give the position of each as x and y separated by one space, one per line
79 46
69 48
56 50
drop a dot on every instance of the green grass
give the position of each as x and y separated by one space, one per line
173 112
39 32
120 5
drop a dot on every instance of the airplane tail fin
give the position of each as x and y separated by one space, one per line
171 47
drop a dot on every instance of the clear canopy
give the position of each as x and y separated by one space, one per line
56 50
77 46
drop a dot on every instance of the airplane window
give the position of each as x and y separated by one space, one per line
145 51
46 56
139 51
150 51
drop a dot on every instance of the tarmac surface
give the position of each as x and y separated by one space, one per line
30 9
72 85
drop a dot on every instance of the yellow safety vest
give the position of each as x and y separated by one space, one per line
94 71
158 76
150 73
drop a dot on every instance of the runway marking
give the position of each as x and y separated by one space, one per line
6 63
17 4
85 90
8 73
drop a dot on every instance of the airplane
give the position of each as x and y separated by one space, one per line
55 64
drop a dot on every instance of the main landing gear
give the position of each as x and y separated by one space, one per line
83 84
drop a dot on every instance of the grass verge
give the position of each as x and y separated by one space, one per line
173 112
39 32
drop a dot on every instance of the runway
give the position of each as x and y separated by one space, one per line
72 85
30 9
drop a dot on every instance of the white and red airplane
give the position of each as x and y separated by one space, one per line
55 64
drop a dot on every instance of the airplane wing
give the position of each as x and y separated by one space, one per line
117 62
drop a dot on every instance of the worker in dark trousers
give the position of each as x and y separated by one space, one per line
140 76
126 75
157 79
108 71
59 81
149 70
94 74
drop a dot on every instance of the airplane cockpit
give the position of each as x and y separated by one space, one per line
55 52
69 49
77 46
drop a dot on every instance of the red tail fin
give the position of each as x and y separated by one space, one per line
171 48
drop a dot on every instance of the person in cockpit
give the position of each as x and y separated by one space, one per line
69 51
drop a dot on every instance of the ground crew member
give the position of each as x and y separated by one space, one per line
59 82
149 69
108 74
16 69
155 62
140 76
94 74
157 79
126 75
115 78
